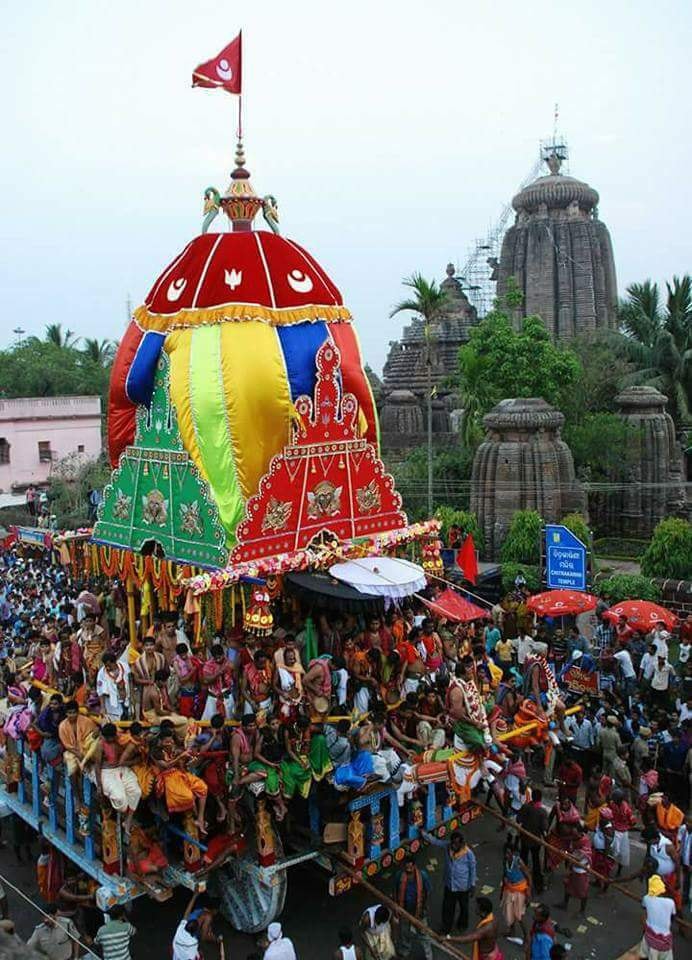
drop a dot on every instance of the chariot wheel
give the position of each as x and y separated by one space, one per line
250 900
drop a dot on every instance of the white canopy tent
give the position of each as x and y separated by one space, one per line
381 576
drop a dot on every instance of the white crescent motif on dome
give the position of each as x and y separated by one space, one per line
223 69
175 289
233 278
299 281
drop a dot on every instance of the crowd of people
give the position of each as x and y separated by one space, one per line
182 722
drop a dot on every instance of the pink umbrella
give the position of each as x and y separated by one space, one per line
561 603
642 614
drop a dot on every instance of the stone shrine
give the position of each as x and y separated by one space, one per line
655 488
522 464
402 407
560 256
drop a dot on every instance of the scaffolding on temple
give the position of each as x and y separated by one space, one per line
479 273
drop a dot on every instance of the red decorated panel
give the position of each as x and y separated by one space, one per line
327 480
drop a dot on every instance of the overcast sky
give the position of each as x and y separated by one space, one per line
391 132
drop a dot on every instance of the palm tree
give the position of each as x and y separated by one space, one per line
659 341
66 340
427 301
99 351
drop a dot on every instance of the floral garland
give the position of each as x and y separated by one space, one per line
310 558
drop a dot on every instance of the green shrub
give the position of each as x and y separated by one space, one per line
531 574
466 521
577 525
670 552
627 586
619 548
523 541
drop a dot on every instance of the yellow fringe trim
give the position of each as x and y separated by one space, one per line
238 312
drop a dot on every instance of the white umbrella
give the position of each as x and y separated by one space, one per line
382 576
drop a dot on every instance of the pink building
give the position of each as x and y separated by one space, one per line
35 431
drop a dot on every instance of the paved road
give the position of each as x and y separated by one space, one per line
312 918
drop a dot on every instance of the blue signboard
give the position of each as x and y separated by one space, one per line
565 559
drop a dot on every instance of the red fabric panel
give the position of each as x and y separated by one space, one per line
353 374
121 410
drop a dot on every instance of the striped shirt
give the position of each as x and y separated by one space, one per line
114 939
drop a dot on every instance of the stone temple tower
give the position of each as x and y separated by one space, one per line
655 490
560 256
522 464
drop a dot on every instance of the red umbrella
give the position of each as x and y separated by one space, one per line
561 603
453 607
642 614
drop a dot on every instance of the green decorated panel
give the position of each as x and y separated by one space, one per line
157 494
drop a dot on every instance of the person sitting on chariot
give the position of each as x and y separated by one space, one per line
118 781
181 790
216 676
156 704
78 736
466 711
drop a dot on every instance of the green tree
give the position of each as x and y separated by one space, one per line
593 392
71 480
40 368
452 475
500 362
98 351
55 335
603 446
523 541
670 552
427 300
658 341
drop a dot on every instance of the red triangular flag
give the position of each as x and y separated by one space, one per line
466 559
224 70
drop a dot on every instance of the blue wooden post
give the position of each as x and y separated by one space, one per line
314 814
69 806
89 846
430 807
394 825
412 831
52 797
374 847
35 786
21 786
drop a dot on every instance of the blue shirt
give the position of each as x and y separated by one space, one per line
460 872
540 946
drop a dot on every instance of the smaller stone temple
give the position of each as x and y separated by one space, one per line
655 488
402 405
522 464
